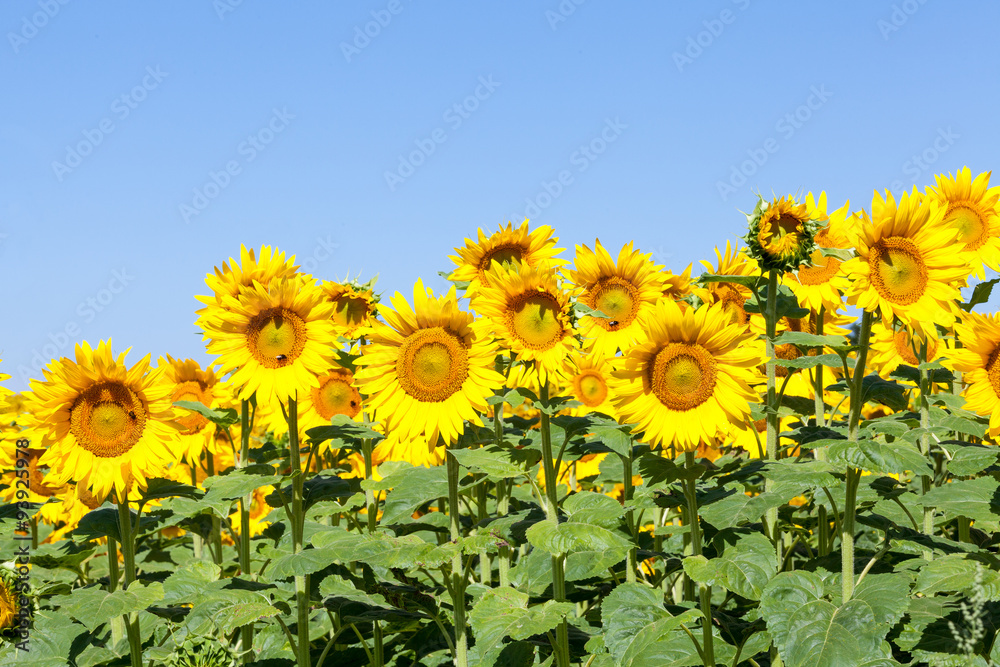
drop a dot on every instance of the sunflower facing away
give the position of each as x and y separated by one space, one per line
979 360
622 290
536 248
891 348
426 371
527 309
821 282
908 265
230 280
973 209
690 381
105 426
782 232
277 339
354 305
732 296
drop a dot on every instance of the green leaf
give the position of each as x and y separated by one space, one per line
634 620
224 417
594 508
980 294
738 508
973 498
492 461
803 339
614 436
343 428
805 473
51 638
376 549
571 537
189 583
583 310
504 612
746 281
227 609
837 253
890 394
94 606
411 486
967 460
746 567
158 489
67 555
880 457
831 360
955 573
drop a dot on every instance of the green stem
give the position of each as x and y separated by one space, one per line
246 569
485 566
704 591
301 581
197 542
818 405
503 499
823 533
771 326
457 566
926 481
552 514
367 447
631 563
128 551
378 645
117 625
215 537
853 474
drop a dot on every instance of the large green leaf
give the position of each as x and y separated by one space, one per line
573 537
972 498
635 620
189 582
738 508
492 461
743 568
504 612
955 573
222 417
411 486
49 642
94 606
594 508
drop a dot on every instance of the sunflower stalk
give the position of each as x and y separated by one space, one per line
457 574
215 536
117 624
552 514
627 492
853 475
246 632
819 407
704 591
771 324
926 481
503 500
296 519
128 553
367 448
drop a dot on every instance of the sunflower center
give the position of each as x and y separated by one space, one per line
682 376
822 270
591 388
619 300
533 318
276 337
504 254
993 370
108 419
35 476
780 235
350 312
191 391
433 364
336 396
972 230
899 273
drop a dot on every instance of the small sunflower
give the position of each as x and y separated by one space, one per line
622 290
354 306
276 339
678 286
690 381
820 282
979 360
589 382
535 248
39 490
192 383
10 601
426 370
418 451
732 296
782 232
527 309
907 264
230 280
972 208
891 348
105 426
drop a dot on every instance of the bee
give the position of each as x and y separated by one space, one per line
281 357
613 323
131 414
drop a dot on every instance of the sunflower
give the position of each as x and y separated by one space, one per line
277 339
230 280
105 426
782 232
354 306
190 382
536 249
972 208
907 265
39 490
526 308
891 348
732 296
678 286
10 601
589 377
820 282
622 290
418 451
426 370
690 381
979 360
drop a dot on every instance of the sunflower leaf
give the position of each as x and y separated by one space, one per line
224 417
803 339
836 253
583 310
343 428
980 294
746 281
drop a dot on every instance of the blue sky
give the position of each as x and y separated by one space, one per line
143 143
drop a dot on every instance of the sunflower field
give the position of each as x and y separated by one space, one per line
788 460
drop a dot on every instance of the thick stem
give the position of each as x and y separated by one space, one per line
819 408
246 570
117 623
367 447
485 566
631 564
301 582
196 540
215 537
926 482
503 500
552 514
771 326
128 552
378 645
823 533
705 592
457 565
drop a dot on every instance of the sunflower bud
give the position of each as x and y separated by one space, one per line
782 233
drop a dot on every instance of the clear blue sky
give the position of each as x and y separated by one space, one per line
115 116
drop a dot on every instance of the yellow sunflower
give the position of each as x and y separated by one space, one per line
527 309
732 296
38 491
972 208
426 370
535 248
105 426
892 347
907 265
622 290
10 601
419 451
691 380
589 382
821 282
190 382
782 232
276 339
678 286
354 306
979 360
230 280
